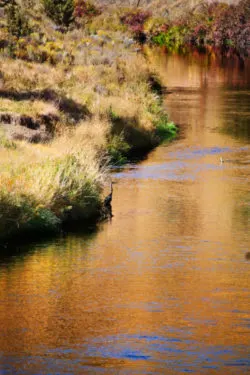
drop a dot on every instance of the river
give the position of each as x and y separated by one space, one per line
163 288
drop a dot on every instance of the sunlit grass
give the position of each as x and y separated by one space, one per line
50 184
105 109
27 107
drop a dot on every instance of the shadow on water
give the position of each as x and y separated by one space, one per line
239 128
25 246
236 114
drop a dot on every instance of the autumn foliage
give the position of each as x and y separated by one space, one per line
216 24
85 9
135 20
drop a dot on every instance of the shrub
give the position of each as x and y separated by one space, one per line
135 21
199 34
174 37
135 18
85 9
60 11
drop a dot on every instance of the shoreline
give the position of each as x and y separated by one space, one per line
77 217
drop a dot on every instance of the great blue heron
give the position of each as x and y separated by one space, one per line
108 199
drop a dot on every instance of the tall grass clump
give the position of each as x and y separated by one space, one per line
63 182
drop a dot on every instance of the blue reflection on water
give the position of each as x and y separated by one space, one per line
121 351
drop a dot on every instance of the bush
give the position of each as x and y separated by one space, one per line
60 11
135 20
174 37
85 9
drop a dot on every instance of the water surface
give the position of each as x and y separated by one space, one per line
164 288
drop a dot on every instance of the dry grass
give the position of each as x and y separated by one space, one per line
42 186
105 107
28 107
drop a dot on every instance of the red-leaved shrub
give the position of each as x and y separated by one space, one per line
85 9
135 21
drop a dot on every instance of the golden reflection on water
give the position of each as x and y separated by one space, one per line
164 287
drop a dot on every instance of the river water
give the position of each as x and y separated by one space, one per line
163 288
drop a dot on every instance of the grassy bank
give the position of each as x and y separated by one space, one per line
72 101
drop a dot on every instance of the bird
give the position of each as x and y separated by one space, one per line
108 199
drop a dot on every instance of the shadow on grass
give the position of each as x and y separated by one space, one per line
71 108
138 138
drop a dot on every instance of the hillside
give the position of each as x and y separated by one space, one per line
170 8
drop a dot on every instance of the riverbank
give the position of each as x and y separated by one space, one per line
71 103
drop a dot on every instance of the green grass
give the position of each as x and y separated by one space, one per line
165 129
118 150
